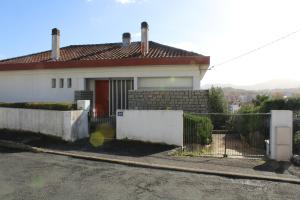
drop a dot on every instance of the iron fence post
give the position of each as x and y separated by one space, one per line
225 153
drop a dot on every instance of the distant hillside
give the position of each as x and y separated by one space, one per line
243 96
268 85
238 95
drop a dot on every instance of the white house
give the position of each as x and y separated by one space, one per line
109 71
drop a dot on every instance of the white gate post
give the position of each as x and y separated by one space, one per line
281 135
83 105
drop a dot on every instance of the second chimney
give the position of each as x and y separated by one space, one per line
126 39
144 38
55 53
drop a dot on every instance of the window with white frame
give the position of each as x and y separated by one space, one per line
165 83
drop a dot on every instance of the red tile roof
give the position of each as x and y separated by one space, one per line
101 53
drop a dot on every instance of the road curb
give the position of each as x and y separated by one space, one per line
15 145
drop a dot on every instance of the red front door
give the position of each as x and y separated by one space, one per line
102 98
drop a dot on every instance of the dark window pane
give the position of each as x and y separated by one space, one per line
69 82
61 83
53 83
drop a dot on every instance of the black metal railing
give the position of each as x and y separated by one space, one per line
221 134
97 121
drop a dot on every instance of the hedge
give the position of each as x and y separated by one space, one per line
202 126
41 105
297 142
252 126
281 104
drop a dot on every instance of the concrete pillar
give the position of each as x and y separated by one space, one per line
196 82
83 105
281 135
81 84
135 83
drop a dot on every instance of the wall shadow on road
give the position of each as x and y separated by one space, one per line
273 166
111 147
4 150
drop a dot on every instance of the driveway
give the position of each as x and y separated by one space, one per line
25 175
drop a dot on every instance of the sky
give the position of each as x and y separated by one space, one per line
221 29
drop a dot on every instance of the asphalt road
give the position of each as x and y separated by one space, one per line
25 175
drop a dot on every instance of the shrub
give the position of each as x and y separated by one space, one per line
297 142
293 104
202 126
260 99
273 104
248 109
41 105
251 125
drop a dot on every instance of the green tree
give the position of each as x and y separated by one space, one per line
217 101
260 99
218 104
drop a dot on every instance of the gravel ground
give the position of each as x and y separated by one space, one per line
25 175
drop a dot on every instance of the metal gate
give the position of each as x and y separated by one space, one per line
105 126
222 135
296 132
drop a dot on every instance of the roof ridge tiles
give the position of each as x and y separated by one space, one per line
104 51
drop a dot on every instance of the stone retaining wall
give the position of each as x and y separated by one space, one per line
186 100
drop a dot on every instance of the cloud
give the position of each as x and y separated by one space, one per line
125 1
89 0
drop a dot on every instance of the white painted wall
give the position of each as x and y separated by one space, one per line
68 125
196 82
158 126
281 135
31 86
165 83
35 85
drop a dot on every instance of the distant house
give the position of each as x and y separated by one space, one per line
136 75
234 108
245 98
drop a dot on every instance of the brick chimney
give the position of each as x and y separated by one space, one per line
55 44
144 38
126 39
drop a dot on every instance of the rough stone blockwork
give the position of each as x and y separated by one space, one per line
83 95
186 100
